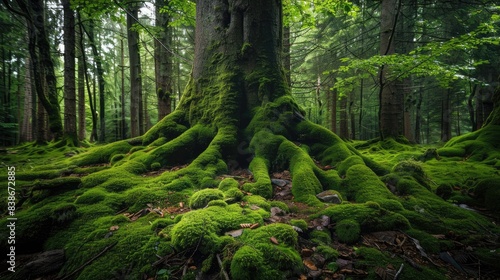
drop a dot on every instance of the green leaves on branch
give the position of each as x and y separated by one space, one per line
182 12
430 60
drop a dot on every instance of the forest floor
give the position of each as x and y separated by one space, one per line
376 255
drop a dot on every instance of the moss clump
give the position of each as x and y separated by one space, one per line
202 228
299 223
91 196
488 193
258 201
321 237
444 191
278 260
259 167
247 263
220 203
201 198
281 205
231 190
363 185
155 165
348 231
369 216
103 154
327 252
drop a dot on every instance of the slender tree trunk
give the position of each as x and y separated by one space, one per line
27 122
446 116
163 62
391 101
418 117
344 127
70 129
333 111
136 118
81 89
470 108
100 82
93 133
122 95
286 55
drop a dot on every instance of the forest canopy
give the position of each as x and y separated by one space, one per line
228 139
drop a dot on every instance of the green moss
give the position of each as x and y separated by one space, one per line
227 184
91 196
280 204
299 223
247 263
259 167
202 228
363 185
305 183
116 158
321 237
155 166
279 260
329 253
488 192
347 163
103 154
368 217
201 198
220 203
348 231
258 201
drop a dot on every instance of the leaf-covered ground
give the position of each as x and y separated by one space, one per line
139 228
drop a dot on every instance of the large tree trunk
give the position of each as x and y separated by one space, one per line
163 61
70 131
136 125
391 100
43 65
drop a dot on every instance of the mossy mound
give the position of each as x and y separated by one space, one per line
348 231
202 229
487 192
268 253
201 198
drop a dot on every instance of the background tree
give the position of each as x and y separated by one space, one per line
70 124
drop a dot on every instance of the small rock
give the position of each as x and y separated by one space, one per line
314 273
318 259
325 220
235 233
280 182
276 211
329 196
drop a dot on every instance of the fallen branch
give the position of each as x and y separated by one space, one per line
89 261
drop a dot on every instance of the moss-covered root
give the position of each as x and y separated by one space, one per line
305 183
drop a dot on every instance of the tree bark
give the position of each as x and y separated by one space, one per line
43 65
70 128
136 118
446 116
391 100
163 61
81 88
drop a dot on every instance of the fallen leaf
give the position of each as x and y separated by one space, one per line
310 264
256 225
113 228
274 240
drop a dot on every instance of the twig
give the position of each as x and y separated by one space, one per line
399 271
89 261
222 267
